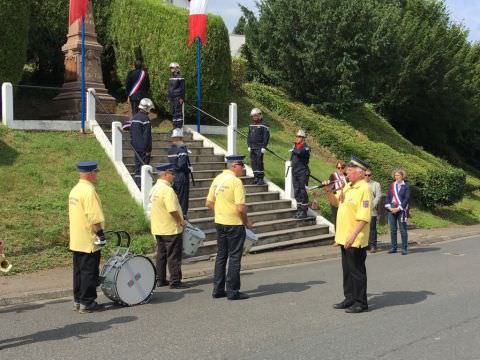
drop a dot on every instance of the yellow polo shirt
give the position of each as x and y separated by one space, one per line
164 201
85 210
227 192
356 205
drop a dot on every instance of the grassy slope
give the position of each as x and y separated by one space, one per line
37 172
364 123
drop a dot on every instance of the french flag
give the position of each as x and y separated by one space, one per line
197 22
78 9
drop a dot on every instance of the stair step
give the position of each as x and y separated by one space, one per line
324 239
255 197
155 136
203 212
196 192
197 159
168 143
196 166
198 175
202 183
164 151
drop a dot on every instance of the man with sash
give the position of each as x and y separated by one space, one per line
176 95
354 204
137 85
397 204
300 172
257 141
226 197
141 136
178 157
167 224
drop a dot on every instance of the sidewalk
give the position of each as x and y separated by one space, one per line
57 283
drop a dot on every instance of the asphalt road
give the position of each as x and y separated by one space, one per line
423 306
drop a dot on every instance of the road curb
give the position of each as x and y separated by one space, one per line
192 274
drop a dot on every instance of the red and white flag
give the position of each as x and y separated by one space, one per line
197 22
78 9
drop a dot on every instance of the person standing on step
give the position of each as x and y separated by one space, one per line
226 197
339 180
167 224
354 204
300 173
257 141
137 85
178 157
176 95
376 195
86 237
141 136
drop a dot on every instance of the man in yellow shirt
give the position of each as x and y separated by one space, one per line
167 226
227 198
86 237
354 204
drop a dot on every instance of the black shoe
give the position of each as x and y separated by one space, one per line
261 182
343 305
238 296
179 285
161 283
373 249
91 308
357 308
404 252
391 251
297 214
219 295
302 215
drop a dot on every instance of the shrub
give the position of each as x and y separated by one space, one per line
239 72
14 22
157 33
442 186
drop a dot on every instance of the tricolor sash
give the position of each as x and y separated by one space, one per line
339 180
396 198
139 83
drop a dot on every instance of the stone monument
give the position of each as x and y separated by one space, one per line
68 102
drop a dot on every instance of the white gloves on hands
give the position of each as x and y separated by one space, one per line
263 150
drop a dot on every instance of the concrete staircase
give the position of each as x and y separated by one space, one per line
274 220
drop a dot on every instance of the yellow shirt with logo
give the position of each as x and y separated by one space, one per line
85 210
355 206
227 192
164 201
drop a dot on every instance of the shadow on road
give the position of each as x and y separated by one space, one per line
414 250
171 295
395 298
29 307
78 330
279 288
209 280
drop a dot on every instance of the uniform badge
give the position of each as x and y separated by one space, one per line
365 203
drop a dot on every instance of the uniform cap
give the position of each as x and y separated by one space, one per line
87 166
177 133
234 158
301 133
357 162
165 167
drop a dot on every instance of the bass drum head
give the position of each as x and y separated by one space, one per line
135 280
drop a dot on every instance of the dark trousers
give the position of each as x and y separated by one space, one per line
134 104
256 158
169 251
140 159
181 185
334 214
372 240
393 219
85 276
354 275
301 196
177 112
230 240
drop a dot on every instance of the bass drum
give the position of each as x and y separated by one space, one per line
128 279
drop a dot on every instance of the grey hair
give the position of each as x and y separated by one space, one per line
401 172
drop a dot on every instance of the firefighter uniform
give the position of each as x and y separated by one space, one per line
258 137
141 141
178 157
176 92
137 86
300 173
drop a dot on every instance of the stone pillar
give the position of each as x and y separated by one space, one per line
232 130
67 103
7 104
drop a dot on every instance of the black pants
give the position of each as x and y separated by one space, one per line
181 185
300 192
334 214
85 276
256 158
177 112
354 274
230 240
140 159
169 251
134 104
372 240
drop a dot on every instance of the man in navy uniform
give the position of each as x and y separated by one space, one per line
137 85
141 136
300 173
178 157
176 95
258 137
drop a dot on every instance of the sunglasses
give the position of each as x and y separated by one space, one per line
368 175
340 167
239 164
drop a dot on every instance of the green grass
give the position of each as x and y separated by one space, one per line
37 172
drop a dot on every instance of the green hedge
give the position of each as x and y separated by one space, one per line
158 32
14 22
438 182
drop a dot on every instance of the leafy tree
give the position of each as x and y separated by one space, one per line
240 27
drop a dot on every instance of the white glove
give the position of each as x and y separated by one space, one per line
249 149
190 168
290 150
263 150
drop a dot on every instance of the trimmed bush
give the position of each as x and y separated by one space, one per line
157 32
438 182
239 72
14 22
